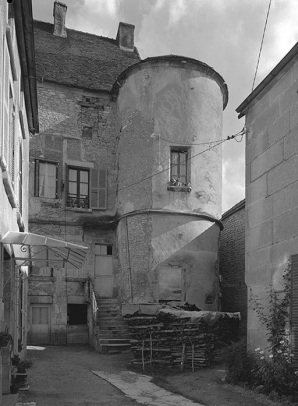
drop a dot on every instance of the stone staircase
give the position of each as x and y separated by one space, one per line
112 333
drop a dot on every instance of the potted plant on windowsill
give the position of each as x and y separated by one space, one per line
21 375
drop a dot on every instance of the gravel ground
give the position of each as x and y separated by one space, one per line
62 376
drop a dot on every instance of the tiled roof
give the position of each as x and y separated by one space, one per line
83 60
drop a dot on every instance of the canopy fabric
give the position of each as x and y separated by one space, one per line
41 251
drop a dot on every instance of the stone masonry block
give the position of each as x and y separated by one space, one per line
282 251
258 258
286 226
293 117
264 162
256 190
283 83
260 276
289 98
291 143
259 236
259 212
282 175
257 146
285 199
248 174
279 129
267 117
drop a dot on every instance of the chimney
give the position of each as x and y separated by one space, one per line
59 14
125 36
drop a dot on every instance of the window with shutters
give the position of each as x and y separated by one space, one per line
46 179
78 188
86 188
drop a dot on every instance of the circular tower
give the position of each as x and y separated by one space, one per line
169 181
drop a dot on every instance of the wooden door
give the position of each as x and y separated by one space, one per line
103 272
40 324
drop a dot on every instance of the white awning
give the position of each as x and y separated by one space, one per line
38 250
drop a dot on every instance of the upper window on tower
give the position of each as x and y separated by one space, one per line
180 167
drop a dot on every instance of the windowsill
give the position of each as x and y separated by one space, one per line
20 222
9 189
78 209
186 189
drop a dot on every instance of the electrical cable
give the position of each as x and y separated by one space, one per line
261 47
219 142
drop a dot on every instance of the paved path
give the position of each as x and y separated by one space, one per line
140 388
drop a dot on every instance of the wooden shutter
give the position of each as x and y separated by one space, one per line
12 145
36 178
6 101
20 178
98 189
294 308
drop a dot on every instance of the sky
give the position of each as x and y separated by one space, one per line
225 34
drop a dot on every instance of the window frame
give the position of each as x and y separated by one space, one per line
37 177
176 182
78 169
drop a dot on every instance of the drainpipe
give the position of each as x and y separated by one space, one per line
129 267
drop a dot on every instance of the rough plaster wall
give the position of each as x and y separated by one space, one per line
181 106
232 266
271 196
135 252
64 114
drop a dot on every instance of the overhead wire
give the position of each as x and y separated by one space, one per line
219 142
261 46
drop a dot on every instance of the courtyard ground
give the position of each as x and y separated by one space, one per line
63 376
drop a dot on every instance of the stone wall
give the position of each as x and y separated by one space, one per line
77 128
271 189
232 264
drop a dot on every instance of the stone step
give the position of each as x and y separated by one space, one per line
114 341
109 312
108 348
108 302
119 334
114 319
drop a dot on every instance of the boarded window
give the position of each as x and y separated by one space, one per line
170 283
98 189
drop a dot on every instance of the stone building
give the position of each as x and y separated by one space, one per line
120 166
271 233
18 117
232 264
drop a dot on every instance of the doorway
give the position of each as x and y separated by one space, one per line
103 272
40 324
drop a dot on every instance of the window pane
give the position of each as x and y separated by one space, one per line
72 175
47 180
84 176
83 189
72 188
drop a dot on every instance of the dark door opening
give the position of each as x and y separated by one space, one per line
76 314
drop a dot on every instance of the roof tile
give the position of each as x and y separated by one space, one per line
83 60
